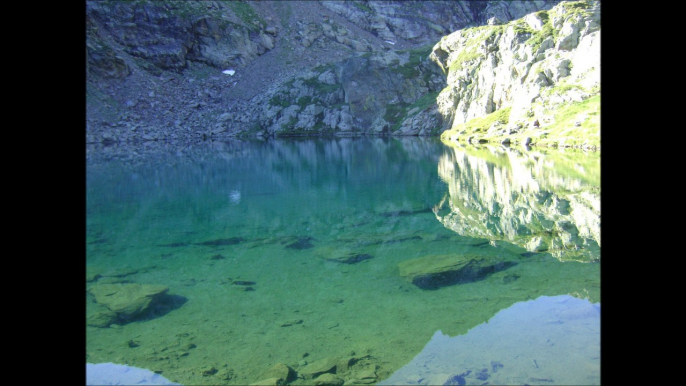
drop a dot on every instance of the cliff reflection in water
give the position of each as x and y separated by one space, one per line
542 201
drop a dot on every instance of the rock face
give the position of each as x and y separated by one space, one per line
168 34
165 70
524 69
127 300
435 271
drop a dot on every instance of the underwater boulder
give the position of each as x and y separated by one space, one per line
435 271
127 300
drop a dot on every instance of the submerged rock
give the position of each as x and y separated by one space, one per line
342 254
290 322
435 271
300 243
102 319
222 242
349 258
281 372
328 379
314 369
268 382
127 300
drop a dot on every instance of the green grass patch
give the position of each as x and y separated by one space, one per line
479 125
564 129
280 100
425 101
362 7
482 124
462 58
248 15
411 68
304 101
321 88
395 114
324 68
546 31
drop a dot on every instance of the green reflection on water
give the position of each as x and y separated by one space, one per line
199 219
541 201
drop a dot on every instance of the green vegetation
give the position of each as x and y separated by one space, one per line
560 89
248 15
546 31
425 101
361 6
304 101
575 7
482 124
570 125
324 68
97 99
464 56
586 114
410 69
397 113
320 87
280 100
254 129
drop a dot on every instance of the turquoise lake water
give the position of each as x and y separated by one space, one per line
289 251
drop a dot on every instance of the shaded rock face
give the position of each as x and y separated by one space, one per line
167 34
396 21
435 271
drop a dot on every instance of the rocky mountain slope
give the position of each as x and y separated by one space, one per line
179 70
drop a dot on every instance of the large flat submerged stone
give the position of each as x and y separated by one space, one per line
435 271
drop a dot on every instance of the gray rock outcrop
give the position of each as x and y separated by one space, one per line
530 66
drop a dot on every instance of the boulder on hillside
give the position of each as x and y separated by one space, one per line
435 271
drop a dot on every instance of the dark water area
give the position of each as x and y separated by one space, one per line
349 260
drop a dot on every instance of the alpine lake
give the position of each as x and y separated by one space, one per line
304 261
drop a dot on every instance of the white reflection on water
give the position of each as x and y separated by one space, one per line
550 340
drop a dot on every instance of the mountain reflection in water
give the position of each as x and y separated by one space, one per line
289 253
541 202
550 340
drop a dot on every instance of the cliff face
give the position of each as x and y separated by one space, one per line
524 74
193 69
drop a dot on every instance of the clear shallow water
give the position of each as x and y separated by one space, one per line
200 218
